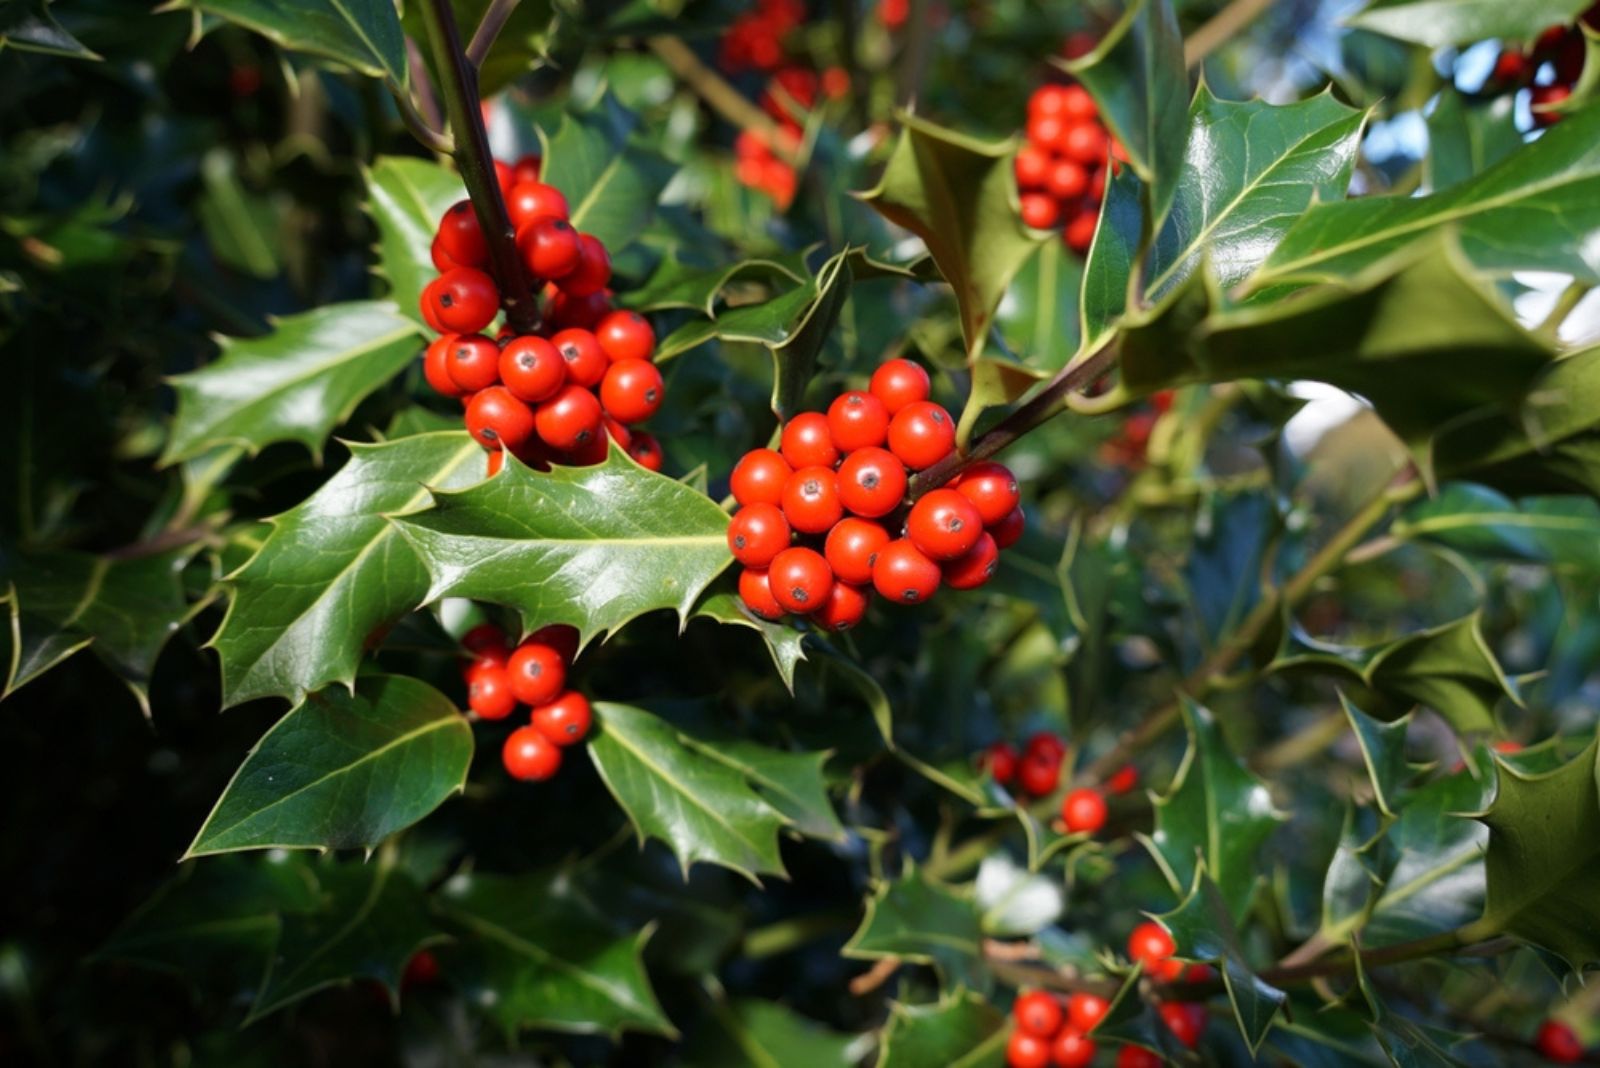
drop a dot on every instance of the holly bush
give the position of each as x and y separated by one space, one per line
1205 672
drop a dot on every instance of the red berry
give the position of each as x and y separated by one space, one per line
499 420
550 247
1048 100
461 238
1077 105
1067 180
564 721
903 574
800 580
473 363
974 567
436 367
530 201
1558 1042
1185 1019
1071 1049
505 176
526 169
568 420
1548 96
921 434
1046 743
560 637
898 383
1085 143
537 672
1085 1011
532 369
632 390
1037 1013
593 271
806 442
944 524
757 533
1027 1051
1079 234
1150 943
872 482
465 300
482 637
489 693
421 970
852 548
1000 759
1040 210
586 360
1008 530
1032 167
857 420
992 489
1045 131
428 304
759 477
1083 811
1039 774
626 335
811 500
646 451
563 312
845 606
529 756
1124 779
441 259
493 657
1137 1057
1510 68
755 590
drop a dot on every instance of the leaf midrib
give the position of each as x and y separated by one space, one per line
622 997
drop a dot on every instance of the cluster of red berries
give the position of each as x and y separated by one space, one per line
1061 171
1558 1043
754 40
838 481
1560 50
499 678
1036 771
553 396
1126 448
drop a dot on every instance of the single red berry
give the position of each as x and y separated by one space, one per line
806 442
1008 530
560 637
1045 131
1072 1049
857 420
872 482
592 452
626 335
1085 143
852 548
586 360
530 201
461 238
428 304
505 176
1079 234
632 390
944 524
565 720
1085 1011
1039 774
898 383
436 367
1000 760
1124 779
1040 210
1046 743
921 434
473 363
1048 100
489 693
811 500
1185 1019
1149 943
532 369
529 756
646 451
844 608
441 259
1077 105
1137 1057
617 432
757 533
903 574
465 300
499 420
1067 180
800 580
550 247
759 477
593 271
1037 1012
563 312
1032 166
527 168
537 672
755 590
1510 68
494 657
570 419
421 970
1024 1050
482 637
1559 1043
1083 811
974 567
1548 96
992 489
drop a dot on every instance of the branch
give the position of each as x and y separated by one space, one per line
1564 306
427 96
494 20
1225 24
432 138
459 84
721 97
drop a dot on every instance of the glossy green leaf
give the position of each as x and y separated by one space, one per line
791 782
1535 210
960 196
541 956
917 919
611 186
1109 270
241 227
363 35
343 770
1383 750
1543 861
1563 532
1407 1042
296 383
754 1033
1203 927
28 26
677 284
1039 315
406 198
961 1030
786 644
335 573
1466 137
591 547
1445 23
1216 814
702 807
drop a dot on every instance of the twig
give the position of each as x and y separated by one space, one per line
721 97
489 27
874 977
1569 299
1224 24
427 95
432 138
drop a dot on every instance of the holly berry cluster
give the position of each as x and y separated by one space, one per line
1061 171
813 530
1127 447
1551 67
1035 770
556 395
534 674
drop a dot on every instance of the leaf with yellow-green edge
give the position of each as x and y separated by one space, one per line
916 919
1481 524
406 198
787 644
792 782
960 1030
591 547
677 284
611 185
28 26
1468 136
755 1033
1039 315
1383 750
1443 23
363 35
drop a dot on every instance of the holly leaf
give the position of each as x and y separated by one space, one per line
592 547
1039 316
960 1030
916 919
1383 751
406 198
611 186
521 42
344 770
363 35
785 643
539 955
1467 137
1544 858
1109 270
1217 815
241 227
1446 23
677 284
702 808
1532 211
791 782
754 1033
960 196
295 384
1561 532
28 26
